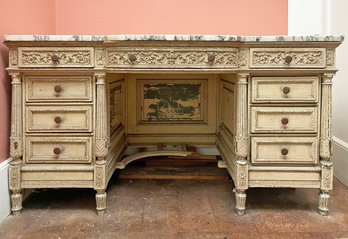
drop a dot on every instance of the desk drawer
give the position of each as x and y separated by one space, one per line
285 89
58 149
284 150
72 118
287 58
56 57
144 57
284 119
58 88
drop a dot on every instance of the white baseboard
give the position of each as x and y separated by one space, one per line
340 160
5 206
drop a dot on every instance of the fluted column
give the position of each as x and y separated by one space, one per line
16 144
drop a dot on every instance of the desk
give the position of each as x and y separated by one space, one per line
84 106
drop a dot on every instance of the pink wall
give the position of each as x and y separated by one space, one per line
19 17
244 17
239 17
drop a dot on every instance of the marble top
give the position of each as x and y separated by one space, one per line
223 38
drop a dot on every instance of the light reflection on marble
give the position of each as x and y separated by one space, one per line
223 38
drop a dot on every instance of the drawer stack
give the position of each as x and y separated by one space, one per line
284 120
59 119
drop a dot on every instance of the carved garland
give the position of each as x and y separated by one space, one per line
172 57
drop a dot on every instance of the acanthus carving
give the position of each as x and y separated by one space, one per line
77 57
120 57
242 146
299 58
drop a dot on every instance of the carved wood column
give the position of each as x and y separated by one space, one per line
16 143
101 129
325 132
242 134
101 142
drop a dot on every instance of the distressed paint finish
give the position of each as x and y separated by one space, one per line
226 91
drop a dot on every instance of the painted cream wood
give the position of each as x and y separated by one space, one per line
82 109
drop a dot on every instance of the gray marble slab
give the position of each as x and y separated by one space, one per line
223 38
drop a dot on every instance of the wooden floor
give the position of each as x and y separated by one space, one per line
178 208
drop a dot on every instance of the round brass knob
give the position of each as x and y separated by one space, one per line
284 151
55 58
285 121
56 151
211 58
58 120
57 88
286 90
288 59
132 57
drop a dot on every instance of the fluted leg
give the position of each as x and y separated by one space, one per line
100 199
240 202
16 202
324 199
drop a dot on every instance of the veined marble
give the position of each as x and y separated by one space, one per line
224 38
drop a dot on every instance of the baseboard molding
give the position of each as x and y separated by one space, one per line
5 206
340 160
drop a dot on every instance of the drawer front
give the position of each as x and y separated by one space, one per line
125 57
58 149
56 57
287 58
284 119
60 88
73 118
284 150
284 89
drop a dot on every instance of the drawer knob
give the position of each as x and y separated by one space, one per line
58 119
132 57
284 151
57 88
285 121
288 59
211 58
55 58
286 90
56 151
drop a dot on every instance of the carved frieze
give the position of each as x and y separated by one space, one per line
13 57
173 57
287 57
56 57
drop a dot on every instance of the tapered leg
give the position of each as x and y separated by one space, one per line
240 202
16 202
324 199
100 198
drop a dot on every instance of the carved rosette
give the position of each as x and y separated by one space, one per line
275 57
326 175
326 112
101 139
242 137
173 57
41 56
